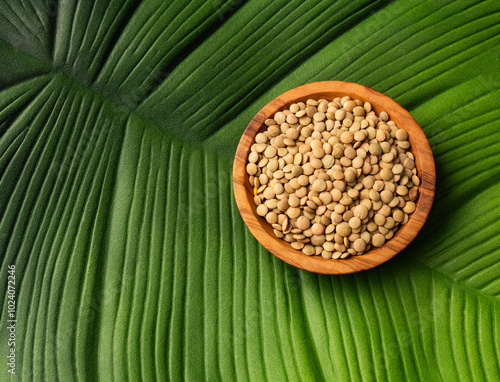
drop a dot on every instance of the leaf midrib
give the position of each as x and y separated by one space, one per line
456 282
51 69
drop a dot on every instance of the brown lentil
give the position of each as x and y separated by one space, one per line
334 179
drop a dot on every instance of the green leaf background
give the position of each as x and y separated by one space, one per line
118 123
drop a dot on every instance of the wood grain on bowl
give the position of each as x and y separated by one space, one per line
262 230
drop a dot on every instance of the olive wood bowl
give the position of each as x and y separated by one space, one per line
263 231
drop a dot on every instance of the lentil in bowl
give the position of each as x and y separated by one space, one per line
335 98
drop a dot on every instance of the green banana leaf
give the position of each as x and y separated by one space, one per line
119 120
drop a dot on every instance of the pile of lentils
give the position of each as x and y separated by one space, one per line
333 178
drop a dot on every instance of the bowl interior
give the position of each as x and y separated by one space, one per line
329 90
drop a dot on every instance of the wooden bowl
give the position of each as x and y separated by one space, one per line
263 231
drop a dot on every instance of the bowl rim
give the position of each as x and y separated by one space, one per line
262 230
